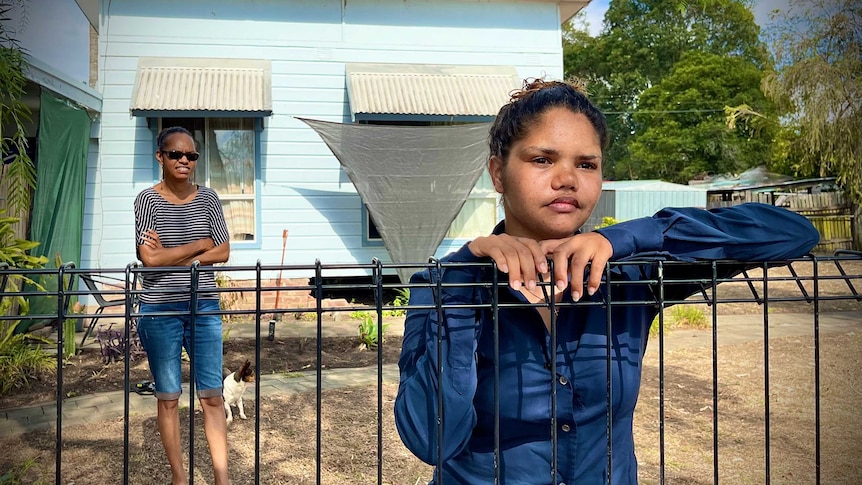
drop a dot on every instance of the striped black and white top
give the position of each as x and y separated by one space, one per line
178 224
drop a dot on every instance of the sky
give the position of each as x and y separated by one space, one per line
595 12
57 32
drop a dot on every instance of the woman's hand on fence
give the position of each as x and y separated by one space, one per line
571 256
520 257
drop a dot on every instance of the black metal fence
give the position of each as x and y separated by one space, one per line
822 294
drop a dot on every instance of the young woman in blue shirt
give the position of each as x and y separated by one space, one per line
546 148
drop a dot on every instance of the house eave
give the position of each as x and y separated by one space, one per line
90 8
49 78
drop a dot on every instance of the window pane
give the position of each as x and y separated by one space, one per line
479 213
476 219
231 155
239 215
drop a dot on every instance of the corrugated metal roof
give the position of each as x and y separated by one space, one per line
429 89
199 84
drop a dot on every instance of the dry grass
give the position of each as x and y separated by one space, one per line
348 452
741 413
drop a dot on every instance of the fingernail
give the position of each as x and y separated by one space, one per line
561 285
576 296
543 267
531 284
591 290
516 285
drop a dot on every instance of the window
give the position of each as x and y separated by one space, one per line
227 165
478 214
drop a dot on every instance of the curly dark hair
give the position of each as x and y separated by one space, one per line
527 104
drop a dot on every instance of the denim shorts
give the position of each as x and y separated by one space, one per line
164 337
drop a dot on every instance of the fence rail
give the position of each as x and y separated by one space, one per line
817 291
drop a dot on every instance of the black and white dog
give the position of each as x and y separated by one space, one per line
235 385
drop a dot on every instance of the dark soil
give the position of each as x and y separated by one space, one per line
86 373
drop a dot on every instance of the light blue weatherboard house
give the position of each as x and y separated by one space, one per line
241 75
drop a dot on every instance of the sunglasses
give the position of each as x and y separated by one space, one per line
176 155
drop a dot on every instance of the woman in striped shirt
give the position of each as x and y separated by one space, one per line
176 223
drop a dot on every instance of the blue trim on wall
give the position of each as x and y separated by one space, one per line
153 125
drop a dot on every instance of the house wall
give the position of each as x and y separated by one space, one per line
302 186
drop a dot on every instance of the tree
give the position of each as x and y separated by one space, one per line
817 82
640 43
20 172
681 127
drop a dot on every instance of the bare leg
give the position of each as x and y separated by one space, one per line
169 428
215 428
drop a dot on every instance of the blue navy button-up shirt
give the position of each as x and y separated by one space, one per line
749 232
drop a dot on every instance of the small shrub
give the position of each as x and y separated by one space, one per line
360 315
21 361
112 344
402 299
228 300
368 330
688 316
606 221
681 316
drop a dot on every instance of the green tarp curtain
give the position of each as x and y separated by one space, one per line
61 177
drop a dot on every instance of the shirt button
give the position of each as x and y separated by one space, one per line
566 428
563 380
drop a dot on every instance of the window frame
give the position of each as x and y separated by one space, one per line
155 125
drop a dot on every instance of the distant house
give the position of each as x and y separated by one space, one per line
239 74
629 199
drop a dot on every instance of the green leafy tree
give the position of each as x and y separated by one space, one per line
682 132
640 43
20 172
817 89
818 81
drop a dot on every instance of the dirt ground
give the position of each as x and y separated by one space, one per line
348 432
85 373
348 427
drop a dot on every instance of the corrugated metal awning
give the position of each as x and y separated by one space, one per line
423 89
240 86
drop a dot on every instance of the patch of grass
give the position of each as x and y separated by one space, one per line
402 300
15 476
681 316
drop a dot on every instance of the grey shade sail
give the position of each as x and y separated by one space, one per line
413 179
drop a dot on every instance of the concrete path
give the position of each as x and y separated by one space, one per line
732 329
